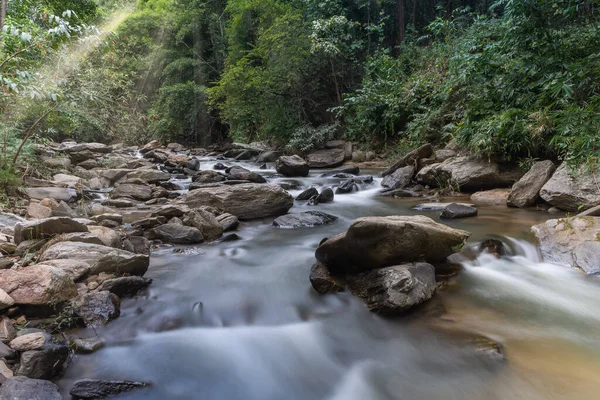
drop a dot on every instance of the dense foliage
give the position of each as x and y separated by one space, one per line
512 78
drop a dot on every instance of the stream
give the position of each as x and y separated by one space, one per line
239 320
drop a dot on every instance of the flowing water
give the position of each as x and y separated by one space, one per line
239 320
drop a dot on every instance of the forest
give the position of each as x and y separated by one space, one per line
510 79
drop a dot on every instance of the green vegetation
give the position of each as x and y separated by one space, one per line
517 79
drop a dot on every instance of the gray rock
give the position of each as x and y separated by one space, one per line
377 242
306 219
177 234
444 154
76 269
246 201
327 158
118 203
149 223
46 228
571 241
126 286
572 191
228 222
205 222
326 196
100 258
268 156
292 166
23 388
527 190
400 178
100 389
242 174
97 309
322 280
41 193
455 211
45 363
348 186
133 191
466 173
171 211
209 177
87 346
7 330
93 147
395 289
29 246
108 237
307 194
496 197
411 158
148 175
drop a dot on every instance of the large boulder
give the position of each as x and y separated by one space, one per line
100 258
328 158
571 241
246 201
23 388
56 193
376 242
97 309
306 219
399 178
527 190
132 191
292 166
47 228
177 234
411 158
393 290
44 363
465 173
37 285
572 191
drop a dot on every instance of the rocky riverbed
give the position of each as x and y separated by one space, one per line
78 251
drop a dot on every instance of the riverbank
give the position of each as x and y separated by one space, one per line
232 282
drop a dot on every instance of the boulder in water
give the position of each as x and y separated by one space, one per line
326 196
571 241
377 242
99 389
400 178
205 222
306 219
322 280
292 166
395 289
246 201
307 194
242 174
455 211
527 190
97 309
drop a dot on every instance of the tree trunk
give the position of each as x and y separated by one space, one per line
400 21
414 15
3 4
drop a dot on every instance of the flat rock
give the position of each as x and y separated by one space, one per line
306 219
93 147
571 241
527 190
99 389
47 228
100 258
41 193
437 206
23 388
572 191
327 158
496 197
246 201
394 290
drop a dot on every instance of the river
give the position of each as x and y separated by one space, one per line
239 320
